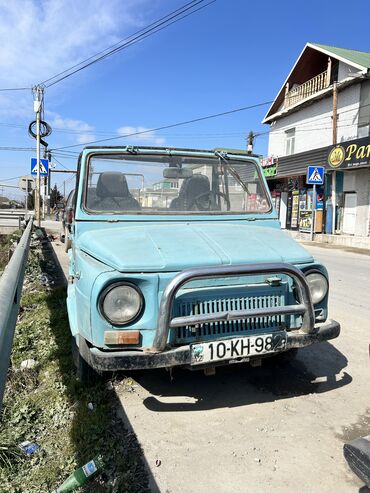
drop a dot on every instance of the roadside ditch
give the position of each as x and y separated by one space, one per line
45 404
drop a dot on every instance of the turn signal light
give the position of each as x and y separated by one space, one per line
122 337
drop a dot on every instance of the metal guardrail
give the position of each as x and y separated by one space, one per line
11 283
10 215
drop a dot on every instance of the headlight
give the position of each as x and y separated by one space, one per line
318 285
121 303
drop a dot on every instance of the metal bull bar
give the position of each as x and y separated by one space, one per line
304 306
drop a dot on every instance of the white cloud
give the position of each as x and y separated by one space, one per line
149 137
83 131
40 38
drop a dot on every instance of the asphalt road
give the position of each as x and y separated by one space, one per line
279 427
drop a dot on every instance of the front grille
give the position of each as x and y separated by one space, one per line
211 330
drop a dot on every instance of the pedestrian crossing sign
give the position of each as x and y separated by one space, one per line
44 166
315 175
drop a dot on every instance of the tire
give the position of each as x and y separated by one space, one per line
86 374
67 240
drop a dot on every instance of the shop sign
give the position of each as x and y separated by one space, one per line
305 220
295 209
270 171
269 166
267 161
351 154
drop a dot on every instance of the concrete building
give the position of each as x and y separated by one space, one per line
321 117
160 194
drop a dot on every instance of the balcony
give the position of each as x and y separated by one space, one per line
307 89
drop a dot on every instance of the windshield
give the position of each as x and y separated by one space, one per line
122 183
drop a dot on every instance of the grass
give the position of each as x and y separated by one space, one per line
5 243
47 405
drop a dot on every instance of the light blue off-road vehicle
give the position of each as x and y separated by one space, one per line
178 258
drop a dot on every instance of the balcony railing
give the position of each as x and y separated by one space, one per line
309 88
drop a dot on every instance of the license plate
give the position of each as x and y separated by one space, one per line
241 347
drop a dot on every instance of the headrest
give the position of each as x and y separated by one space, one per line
112 184
194 186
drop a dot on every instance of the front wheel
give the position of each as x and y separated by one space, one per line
86 374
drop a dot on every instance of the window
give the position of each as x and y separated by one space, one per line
290 138
363 131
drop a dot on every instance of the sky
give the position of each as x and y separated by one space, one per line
230 54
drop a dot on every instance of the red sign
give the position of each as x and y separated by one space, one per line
267 161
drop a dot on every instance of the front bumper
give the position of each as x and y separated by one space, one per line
136 360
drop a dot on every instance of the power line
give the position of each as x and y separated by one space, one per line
61 164
114 133
26 149
149 30
114 45
187 122
66 154
10 179
64 148
15 89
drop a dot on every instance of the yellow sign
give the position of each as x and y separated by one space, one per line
336 156
351 154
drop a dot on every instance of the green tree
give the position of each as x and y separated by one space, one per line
55 196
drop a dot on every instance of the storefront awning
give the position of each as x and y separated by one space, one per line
297 164
344 156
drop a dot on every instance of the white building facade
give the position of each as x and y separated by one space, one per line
323 104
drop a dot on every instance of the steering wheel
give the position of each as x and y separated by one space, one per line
204 205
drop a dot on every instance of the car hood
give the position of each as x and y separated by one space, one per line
174 247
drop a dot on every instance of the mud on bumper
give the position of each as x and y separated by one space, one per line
137 360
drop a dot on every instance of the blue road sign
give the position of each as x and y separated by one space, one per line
44 166
315 175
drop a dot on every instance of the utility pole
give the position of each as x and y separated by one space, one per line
48 187
44 186
250 140
335 114
334 174
37 106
